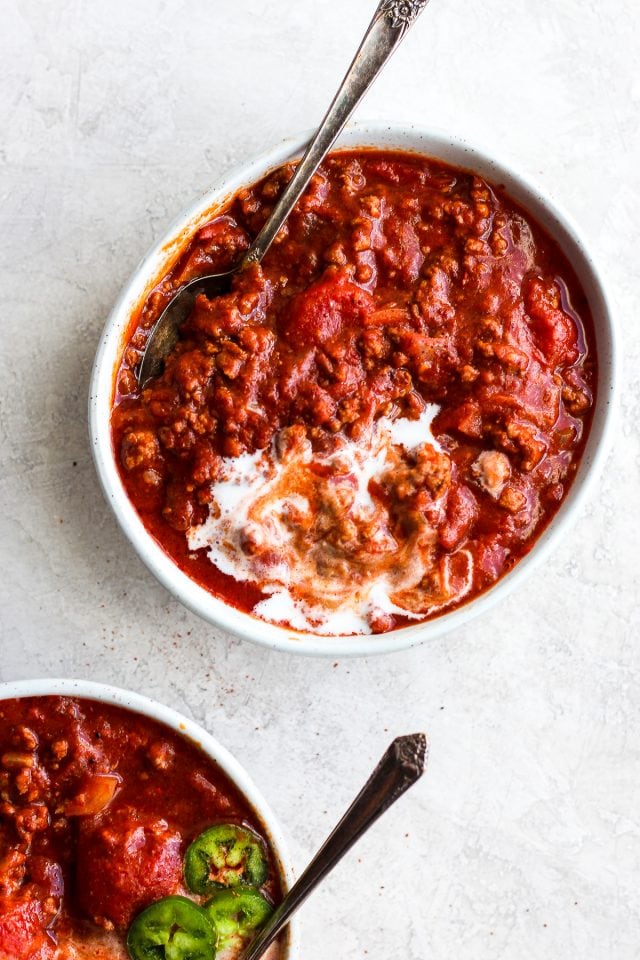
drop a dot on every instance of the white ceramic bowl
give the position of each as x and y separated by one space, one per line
159 260
105 693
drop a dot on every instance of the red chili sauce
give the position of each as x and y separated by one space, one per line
397 282
97 806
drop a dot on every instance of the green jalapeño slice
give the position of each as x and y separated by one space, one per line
172 929
225 856
237 913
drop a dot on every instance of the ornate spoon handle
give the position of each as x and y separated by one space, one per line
400 767
390 23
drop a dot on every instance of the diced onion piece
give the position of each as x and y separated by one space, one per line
96 794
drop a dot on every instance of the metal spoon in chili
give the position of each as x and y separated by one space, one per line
389 25
401 766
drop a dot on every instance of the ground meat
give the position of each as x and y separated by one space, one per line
139 447
492 470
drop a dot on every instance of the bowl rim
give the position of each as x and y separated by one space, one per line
412 138
189 729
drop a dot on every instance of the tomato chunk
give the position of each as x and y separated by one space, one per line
125 862
324 310
554 331
462 510
22 929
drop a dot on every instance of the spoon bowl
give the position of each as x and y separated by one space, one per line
166 332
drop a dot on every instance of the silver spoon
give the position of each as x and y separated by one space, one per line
390 23
400 767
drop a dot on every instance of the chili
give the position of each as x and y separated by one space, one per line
379 421
98 806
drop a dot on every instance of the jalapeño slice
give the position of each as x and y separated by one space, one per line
174 928
236 913
225 856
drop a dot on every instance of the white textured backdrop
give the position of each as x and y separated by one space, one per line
524 838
